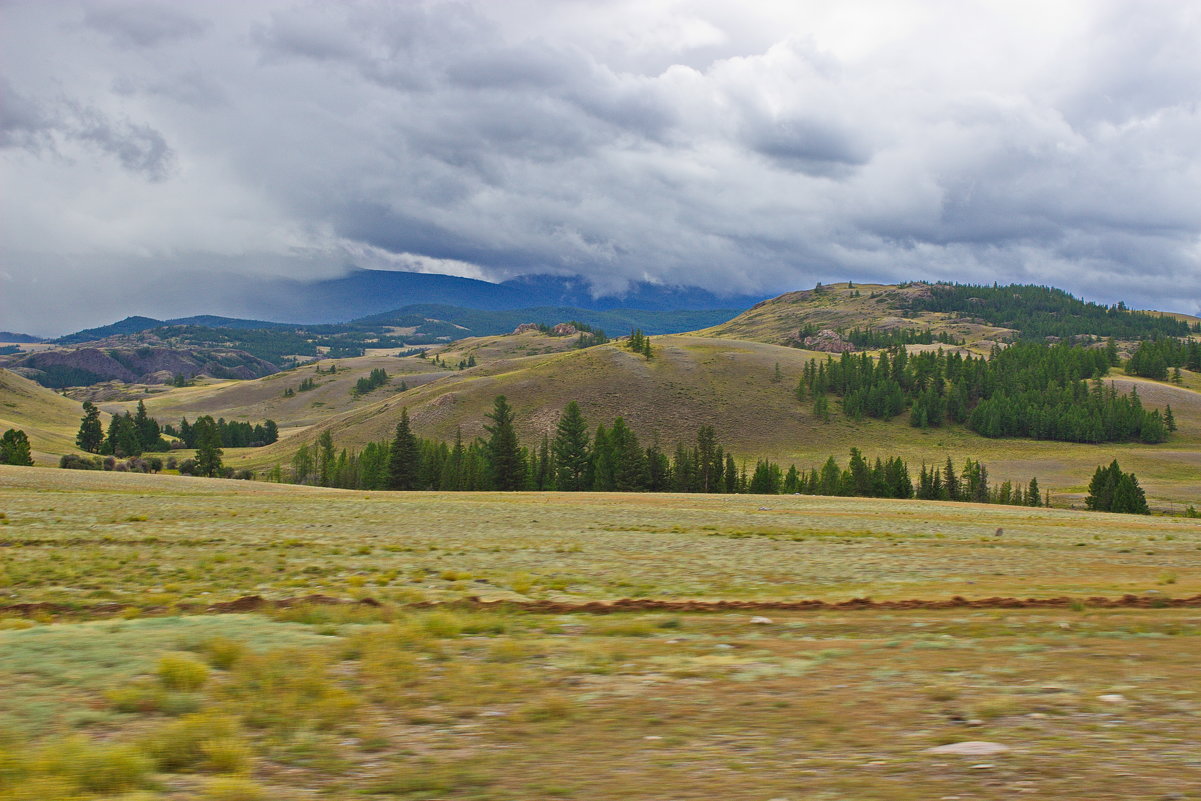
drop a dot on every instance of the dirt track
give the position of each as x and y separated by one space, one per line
253 603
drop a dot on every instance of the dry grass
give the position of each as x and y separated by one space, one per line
448 704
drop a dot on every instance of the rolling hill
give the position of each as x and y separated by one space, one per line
48 419
694 380
976 315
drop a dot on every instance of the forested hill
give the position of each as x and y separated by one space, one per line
1041 311
867 316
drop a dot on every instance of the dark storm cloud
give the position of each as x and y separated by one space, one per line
759 147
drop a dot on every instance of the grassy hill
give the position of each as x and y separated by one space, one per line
977 315
843 307
694 380
50 420
264 398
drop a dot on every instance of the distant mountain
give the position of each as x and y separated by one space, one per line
429 319
361 293
136 325
24 339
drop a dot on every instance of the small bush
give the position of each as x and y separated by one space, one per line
223 653
185 744
138 696
183 673
73 461
96 767
233 790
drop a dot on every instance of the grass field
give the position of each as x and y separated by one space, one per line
391 701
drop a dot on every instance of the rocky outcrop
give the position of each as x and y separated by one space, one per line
826 341
521 329
564 330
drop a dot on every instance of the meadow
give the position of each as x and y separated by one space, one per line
122 686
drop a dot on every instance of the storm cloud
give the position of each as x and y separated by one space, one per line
761 147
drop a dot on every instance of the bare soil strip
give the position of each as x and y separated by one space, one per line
254 603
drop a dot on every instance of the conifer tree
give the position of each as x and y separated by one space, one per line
504 454
327 459
604 463
91 434
730 474
208 446
629 460
14 448
571 449
404 460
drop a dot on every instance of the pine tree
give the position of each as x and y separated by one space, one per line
1128 496
951 483
148 430
777 376
603 470
504 454
543 478
14 448
1033 494
629 463
571 449
1169 419
404 460
821 408
91 434
208 446
1102 486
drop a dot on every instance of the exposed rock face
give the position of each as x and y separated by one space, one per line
565 330
826 341
521 329
147 365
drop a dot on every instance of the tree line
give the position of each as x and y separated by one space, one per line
611 458
1041 311
1153 358
1025 390
130 435
230 434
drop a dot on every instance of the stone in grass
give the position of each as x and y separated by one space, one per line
761 620
1112 698
969 748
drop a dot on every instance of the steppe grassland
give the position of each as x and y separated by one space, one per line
393 703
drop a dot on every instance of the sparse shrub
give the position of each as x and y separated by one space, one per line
183 673
181 745
223 653
227 789
73 461
287 690
137 696
227 755
507 651
187 467
95 767
552 707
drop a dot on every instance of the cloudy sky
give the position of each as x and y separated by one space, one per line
152 149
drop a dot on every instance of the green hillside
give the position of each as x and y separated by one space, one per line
700 380
47 418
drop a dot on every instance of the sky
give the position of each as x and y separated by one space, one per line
153 151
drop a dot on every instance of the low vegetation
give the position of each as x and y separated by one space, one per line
112 692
